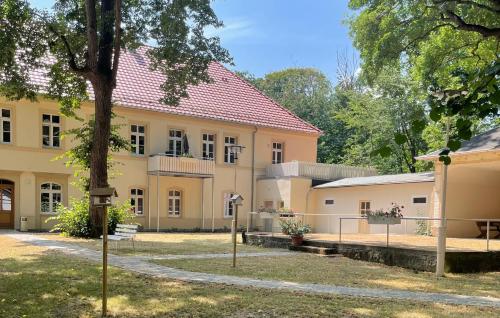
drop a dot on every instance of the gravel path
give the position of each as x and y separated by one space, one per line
139 265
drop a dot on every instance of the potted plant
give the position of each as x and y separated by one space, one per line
296 229
391 216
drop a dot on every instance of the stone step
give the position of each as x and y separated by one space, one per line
314 249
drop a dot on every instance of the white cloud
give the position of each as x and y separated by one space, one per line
234 29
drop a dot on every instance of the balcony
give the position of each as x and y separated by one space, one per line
317 171
165 165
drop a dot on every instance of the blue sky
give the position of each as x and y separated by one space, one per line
269 35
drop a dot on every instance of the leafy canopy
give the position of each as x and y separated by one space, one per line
67 42
451 48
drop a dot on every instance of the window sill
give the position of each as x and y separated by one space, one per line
174 216
228 216
49 213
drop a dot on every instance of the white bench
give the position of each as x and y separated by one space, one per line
124 232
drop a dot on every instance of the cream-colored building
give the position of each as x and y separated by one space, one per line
181 170
473 194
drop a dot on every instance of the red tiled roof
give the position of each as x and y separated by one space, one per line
228 98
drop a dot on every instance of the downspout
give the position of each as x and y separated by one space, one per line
252 196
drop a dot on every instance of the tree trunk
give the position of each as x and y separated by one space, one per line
103 92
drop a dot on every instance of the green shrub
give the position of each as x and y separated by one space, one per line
74 220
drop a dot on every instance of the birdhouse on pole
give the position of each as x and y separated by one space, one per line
237 199
103 196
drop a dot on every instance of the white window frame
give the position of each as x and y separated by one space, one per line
135 148
2 120
205 146
51 192
277 152
332 204
420 196
172 142
177 203
228 205
228 154
363 211
52 126
134 200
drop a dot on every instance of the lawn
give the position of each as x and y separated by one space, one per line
343 271
40 283
166 243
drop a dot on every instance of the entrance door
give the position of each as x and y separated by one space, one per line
363 226
6 204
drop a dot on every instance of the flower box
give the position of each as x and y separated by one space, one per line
380 219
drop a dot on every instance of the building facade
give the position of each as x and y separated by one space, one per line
180 170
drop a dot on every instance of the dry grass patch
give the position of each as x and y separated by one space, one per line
342 271
165 243
39 283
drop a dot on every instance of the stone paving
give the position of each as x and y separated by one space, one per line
211 256
139 265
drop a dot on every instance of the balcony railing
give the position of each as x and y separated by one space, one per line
180 166
318 171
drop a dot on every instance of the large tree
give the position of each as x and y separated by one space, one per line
80 41
309 94
380 119
452 47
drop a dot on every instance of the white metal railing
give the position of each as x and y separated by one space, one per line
184 165
320 171
334 224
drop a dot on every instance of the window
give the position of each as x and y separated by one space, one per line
137 139
228 205
208 146
329 202
277 152
174 203
175 142
51 128
50 196
419 200
269 204
281 204
137 201
228 154
364 206
5 126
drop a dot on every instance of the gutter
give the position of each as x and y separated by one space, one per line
252 192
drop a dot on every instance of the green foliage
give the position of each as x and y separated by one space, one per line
75 219
451 48
385 122
79 156
294 227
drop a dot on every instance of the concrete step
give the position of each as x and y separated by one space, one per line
314 249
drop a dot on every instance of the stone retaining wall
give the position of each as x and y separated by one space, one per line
421 260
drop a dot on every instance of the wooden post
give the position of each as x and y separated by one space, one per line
104 260
235 227
387 239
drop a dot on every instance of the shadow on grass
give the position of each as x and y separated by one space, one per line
54 285
342 271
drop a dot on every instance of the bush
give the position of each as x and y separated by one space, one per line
74 220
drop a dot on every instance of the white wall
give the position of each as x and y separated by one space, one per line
381 196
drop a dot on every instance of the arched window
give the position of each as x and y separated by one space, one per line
50 196
137 201
174 202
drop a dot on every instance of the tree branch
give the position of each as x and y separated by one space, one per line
91 33
460 24
118 36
